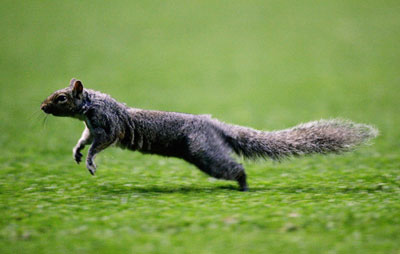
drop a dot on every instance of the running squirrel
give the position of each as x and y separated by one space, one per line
198 139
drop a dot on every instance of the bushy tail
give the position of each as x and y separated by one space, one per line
324 136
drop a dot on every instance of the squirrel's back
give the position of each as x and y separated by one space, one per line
162 132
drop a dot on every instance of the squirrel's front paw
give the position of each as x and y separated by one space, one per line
77 156
91 167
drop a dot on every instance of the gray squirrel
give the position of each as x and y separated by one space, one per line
198 139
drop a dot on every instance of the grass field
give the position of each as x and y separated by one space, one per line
265 64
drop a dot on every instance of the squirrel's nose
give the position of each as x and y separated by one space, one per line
44 107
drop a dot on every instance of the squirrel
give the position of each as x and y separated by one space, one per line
198 139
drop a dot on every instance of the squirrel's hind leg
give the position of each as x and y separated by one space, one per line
242 180
222 168
216 161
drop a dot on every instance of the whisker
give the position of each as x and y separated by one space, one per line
38 116
34 118
44 121
33 114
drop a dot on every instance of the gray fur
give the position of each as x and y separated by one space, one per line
199 139
323 136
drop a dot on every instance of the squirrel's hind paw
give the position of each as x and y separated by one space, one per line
92 172
91 167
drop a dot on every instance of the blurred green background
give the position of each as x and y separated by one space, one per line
265 64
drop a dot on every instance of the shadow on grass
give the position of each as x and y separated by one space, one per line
115 189
108 189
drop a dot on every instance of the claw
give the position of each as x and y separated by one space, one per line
78 157
91 167
78 160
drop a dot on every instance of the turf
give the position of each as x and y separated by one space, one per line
265 64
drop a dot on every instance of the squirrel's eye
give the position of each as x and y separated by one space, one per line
61 98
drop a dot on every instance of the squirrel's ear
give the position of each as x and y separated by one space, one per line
77 88
71 83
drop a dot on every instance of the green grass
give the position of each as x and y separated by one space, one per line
265 64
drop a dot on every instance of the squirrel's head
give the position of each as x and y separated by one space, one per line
64 102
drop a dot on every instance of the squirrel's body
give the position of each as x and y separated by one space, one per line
198 139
